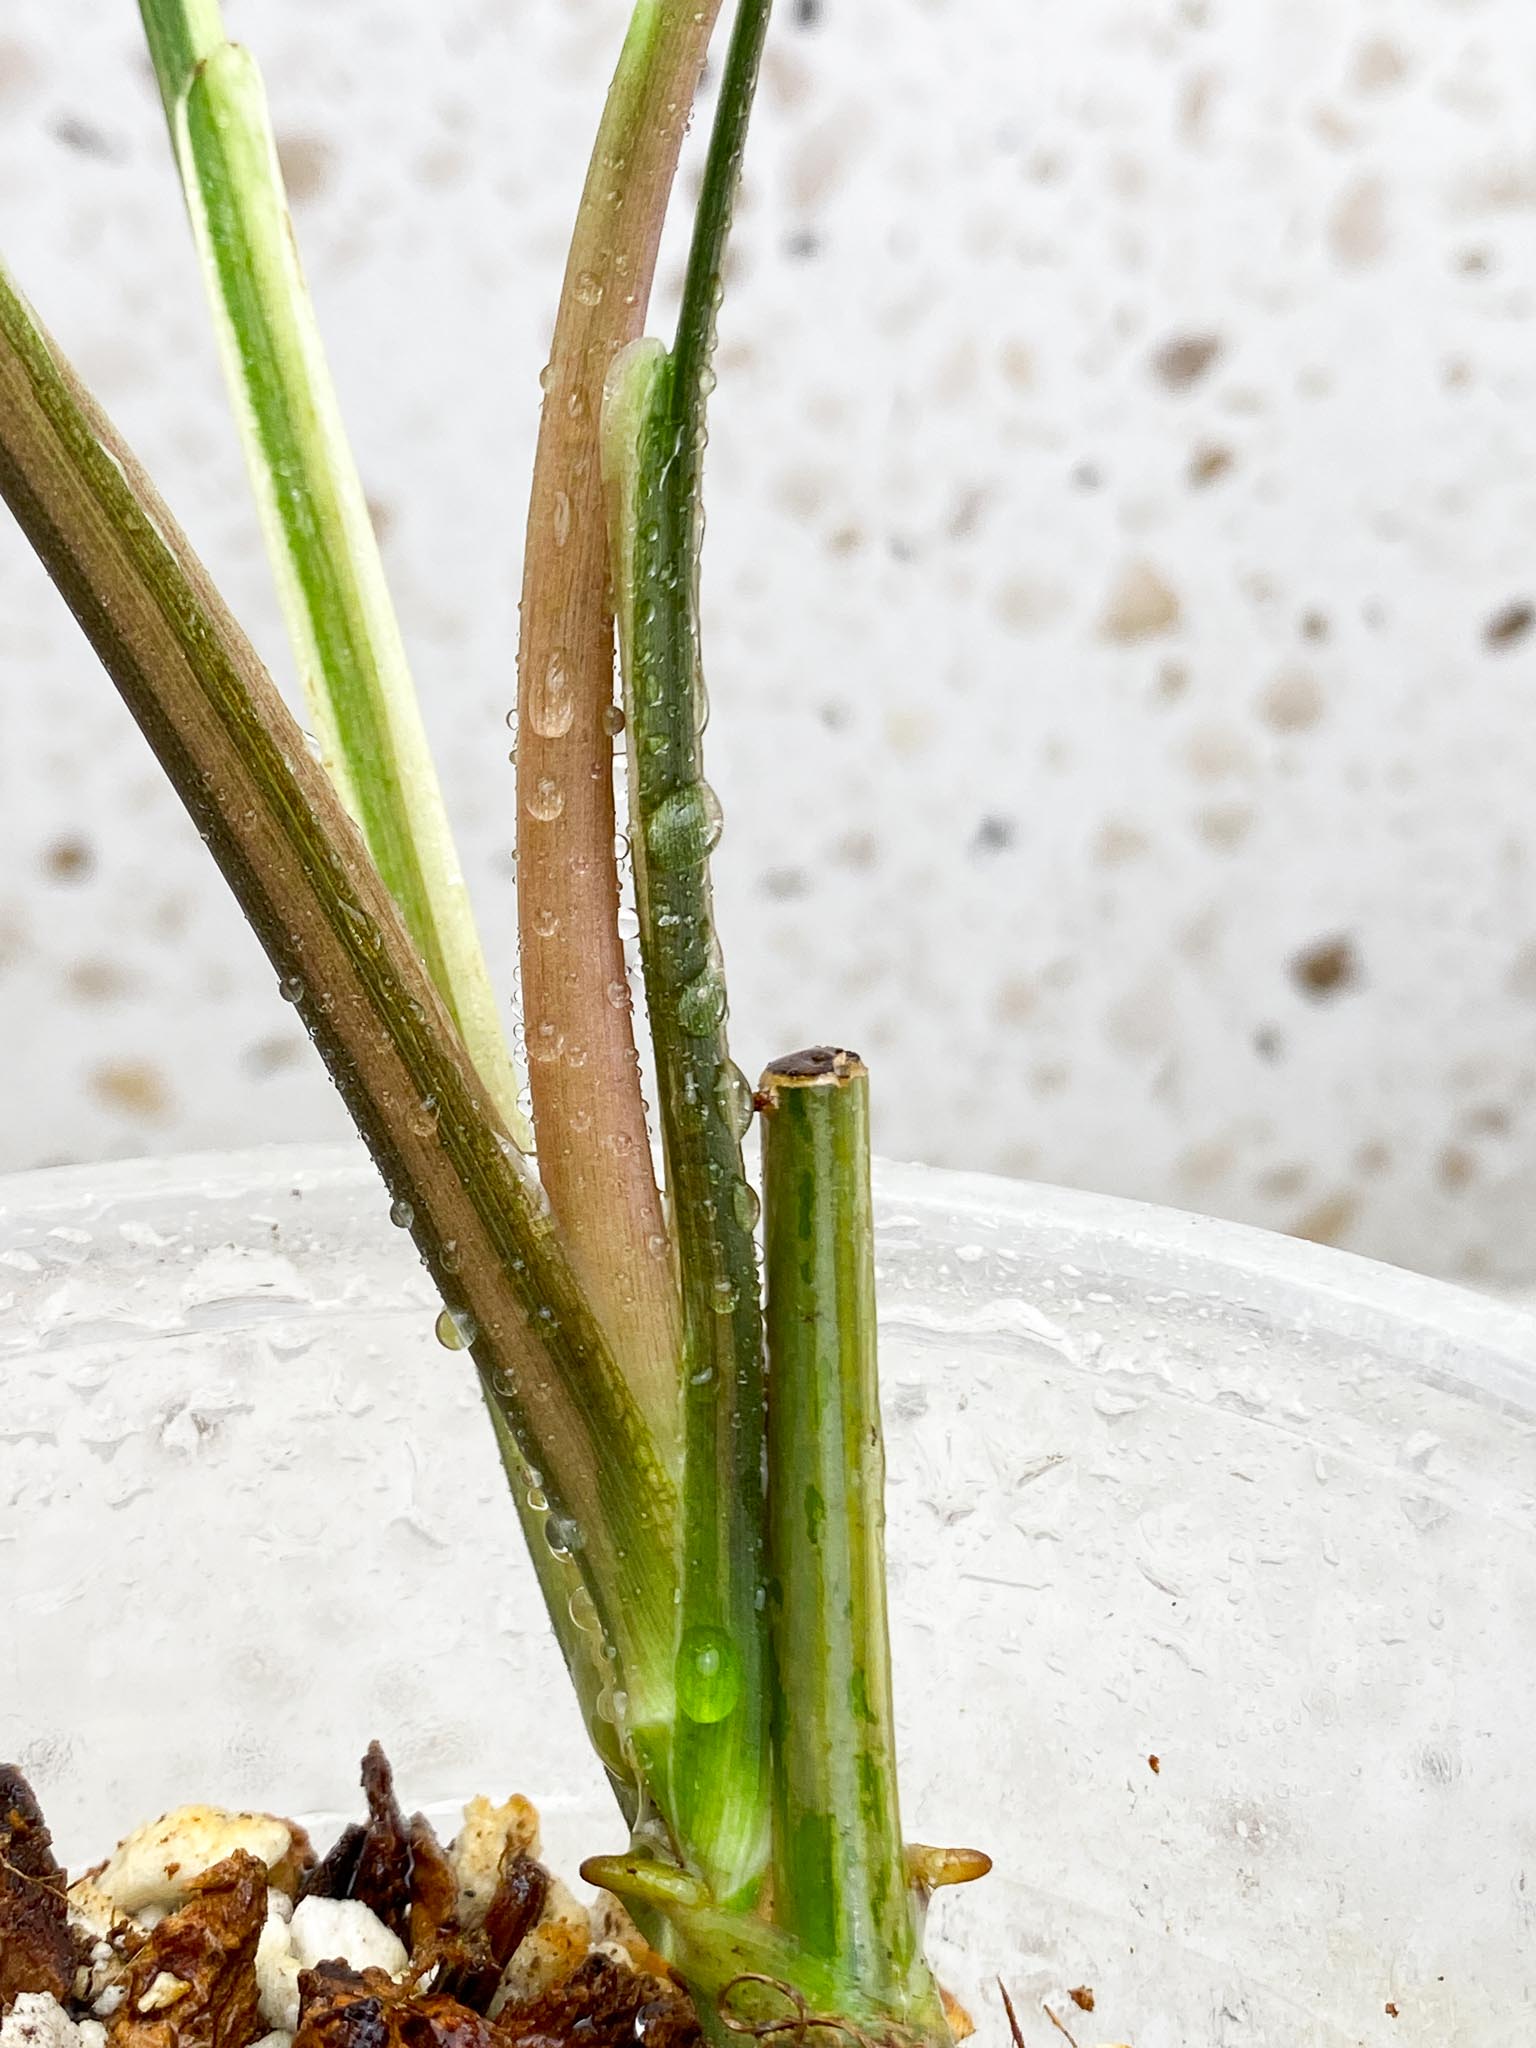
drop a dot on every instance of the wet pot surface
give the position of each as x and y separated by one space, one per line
1213 1579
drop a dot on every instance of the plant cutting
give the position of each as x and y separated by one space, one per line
679 1368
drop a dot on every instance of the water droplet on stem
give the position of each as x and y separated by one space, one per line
546 800
456 1329
684 829
552 700
708 1674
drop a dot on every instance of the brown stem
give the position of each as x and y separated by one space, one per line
304 880
589 1117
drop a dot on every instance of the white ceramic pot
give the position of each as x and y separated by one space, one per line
1161 1489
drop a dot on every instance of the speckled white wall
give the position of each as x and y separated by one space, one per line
1120 583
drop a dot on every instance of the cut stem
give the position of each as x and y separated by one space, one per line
840 1883
595 1156
335 938
319 533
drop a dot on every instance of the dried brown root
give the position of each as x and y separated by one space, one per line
556 1947
193 1982
434 1890
603 2005
472 1963
38 1953
371 1861
394 1866
344 2008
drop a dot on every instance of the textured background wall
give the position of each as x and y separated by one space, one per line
1120 583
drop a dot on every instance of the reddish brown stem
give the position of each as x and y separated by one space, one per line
589 1116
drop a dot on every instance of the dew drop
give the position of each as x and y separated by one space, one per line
618 995
733 1094
402 1215
546 800
291 988
701 1005
561 517
546 923
551 700
456 1329
613 719
708 1674
364 926
690 1098
745 1206
724 1295
684 828
448 1255
546 1044
588 288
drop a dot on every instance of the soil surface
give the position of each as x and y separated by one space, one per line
213 1929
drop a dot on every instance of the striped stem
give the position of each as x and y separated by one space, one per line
319 533
332 932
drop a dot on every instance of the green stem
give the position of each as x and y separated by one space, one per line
704 285
840 1881
653 438
632 1747
180 34
718 1804
318 529
334 936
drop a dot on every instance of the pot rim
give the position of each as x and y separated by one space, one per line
1428 1325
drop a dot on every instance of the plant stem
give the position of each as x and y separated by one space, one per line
718 1801
335 938
319 533
653 441
180 34
840 1882
595 1157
